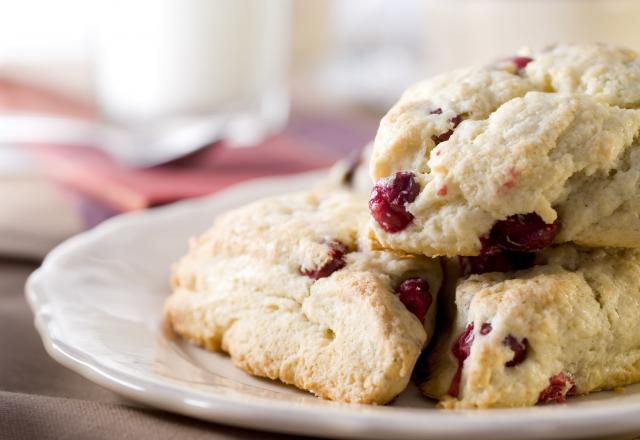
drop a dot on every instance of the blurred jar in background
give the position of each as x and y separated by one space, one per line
463 32
359 52
162 61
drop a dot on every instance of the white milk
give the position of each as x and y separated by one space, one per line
161 59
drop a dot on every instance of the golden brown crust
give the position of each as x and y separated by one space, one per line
559 138
578 311
344 337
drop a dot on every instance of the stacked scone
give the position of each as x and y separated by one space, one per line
526 173
520 179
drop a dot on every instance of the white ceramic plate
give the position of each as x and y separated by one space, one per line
98 297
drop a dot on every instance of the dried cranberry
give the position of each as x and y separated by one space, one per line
389 198
335 262
521 62
560 386
460 349
438 138
354 161
455 121
510 244
520 232
485 328
519 350
415 295
510 182
496 262
487 247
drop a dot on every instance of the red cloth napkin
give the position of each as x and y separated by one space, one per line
123 189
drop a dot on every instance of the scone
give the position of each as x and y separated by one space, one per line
286 286
351 173
548 143
567 326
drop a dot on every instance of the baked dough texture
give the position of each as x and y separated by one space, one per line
345 336
351 173
558 137
578 312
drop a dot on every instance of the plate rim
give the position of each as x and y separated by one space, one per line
332 420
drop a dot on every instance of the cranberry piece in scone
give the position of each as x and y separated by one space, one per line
485 328
510 245
461 349
519 350
560 386
355 161
389 199
455 121
520 232
334 262
521 62
496 262
415 295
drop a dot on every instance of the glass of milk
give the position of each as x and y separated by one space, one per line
224 61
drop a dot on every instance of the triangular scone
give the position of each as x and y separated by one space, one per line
566 326
550 139
285 286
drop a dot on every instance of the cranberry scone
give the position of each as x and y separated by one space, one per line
567 326
351 173
547 143
290 291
